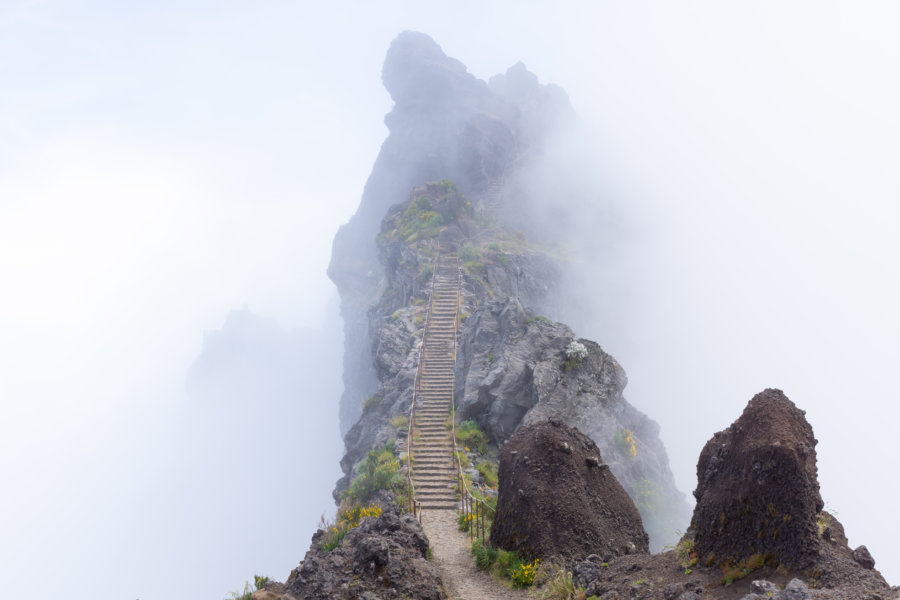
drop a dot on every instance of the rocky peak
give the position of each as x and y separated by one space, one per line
757 486
417 72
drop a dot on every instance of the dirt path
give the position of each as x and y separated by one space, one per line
451 555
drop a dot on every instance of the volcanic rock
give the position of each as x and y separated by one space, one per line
757 490
383 557
863 557
556 502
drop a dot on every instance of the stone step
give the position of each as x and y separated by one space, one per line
435 498
433 465
439 447
448 470
435 479
433 427
447 489
437 457
440 505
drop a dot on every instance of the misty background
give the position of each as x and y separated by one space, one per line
171 177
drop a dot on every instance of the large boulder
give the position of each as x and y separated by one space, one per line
559 499
757 486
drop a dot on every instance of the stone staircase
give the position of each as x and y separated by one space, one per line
433 462
492 200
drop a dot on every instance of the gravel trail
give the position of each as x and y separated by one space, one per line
451 555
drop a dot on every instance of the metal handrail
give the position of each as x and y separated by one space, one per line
471 504
415 507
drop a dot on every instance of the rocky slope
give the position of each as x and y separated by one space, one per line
385 556
513 366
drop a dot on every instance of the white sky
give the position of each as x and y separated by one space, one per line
162 164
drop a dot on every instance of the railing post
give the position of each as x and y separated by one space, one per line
483 514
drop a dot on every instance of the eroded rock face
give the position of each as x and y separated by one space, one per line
382 557
758 490
512 369
558 498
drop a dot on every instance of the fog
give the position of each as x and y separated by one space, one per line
171 172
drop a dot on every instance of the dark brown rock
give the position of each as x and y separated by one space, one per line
383 557
554 503
863 557
757 490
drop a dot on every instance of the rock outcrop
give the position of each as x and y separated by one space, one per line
757 486
515 367
559 499
754 480
382 557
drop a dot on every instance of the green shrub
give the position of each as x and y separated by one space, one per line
260 581
463 460
469 253
465 521
506 562
371 402
559 583
471 436
400 421
379 471
418 221
488 470
485 556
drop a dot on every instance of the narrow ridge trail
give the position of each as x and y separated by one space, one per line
432 447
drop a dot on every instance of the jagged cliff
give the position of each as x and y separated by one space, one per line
468 138
445 124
